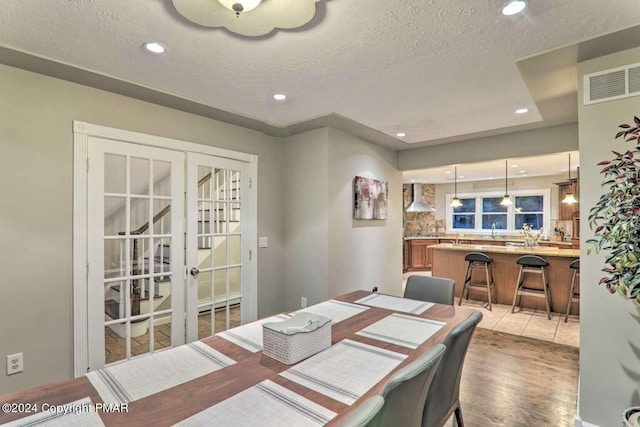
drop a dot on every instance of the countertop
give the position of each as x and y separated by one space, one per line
517 239
519 250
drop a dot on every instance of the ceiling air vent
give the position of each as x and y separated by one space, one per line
612 84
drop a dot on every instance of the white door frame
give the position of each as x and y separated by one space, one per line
82 131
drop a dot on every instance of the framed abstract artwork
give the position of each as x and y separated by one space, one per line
370 198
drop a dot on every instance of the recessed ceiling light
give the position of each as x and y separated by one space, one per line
413 180
490 177
401 134
514 166
447 172
522 110
279 96
154 47
513 7
523 171
461 176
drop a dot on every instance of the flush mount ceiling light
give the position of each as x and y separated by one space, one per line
279 96
506 200
569 198
239 6
513 7
522 110
248 17
455 202
401 134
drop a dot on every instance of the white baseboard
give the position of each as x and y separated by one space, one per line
580 423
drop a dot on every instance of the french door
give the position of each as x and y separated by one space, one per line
168 248
217 245
136 279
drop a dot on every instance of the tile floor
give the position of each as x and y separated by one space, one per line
524 322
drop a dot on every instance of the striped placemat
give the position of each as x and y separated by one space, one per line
337 311
80 413
400 329
152 373
345 371
389 302
249 336
266 405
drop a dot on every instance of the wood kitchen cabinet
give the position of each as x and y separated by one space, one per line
406 261
420 255
567 211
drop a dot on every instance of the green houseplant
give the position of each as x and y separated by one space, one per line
615 220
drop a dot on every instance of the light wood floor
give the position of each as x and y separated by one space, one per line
510 380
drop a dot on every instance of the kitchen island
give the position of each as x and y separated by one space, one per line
448 261
418 255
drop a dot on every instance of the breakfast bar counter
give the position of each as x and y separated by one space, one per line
448 261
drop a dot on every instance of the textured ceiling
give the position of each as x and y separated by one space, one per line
435 69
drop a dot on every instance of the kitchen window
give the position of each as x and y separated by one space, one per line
464 217
482 212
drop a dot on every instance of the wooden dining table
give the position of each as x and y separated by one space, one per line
178 403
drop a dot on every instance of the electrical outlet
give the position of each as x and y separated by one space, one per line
263 242
14 363
303 302
375 289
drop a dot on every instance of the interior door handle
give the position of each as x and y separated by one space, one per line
194 272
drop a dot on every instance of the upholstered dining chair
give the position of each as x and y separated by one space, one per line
364 415
405 392
443 397
433 289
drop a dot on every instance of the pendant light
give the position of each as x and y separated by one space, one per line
506 200
455 203
569 198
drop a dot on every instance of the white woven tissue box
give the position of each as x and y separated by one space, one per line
294 339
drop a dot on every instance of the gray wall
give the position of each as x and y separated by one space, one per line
362 253
36 164
307 227
609 325
328 253
554 139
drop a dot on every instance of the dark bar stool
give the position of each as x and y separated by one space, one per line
533 264
574 296
478 260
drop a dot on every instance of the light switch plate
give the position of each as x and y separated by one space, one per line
263 242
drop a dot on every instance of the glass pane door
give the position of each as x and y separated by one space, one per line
217 245
136 261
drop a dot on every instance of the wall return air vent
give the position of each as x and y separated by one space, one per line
616 83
